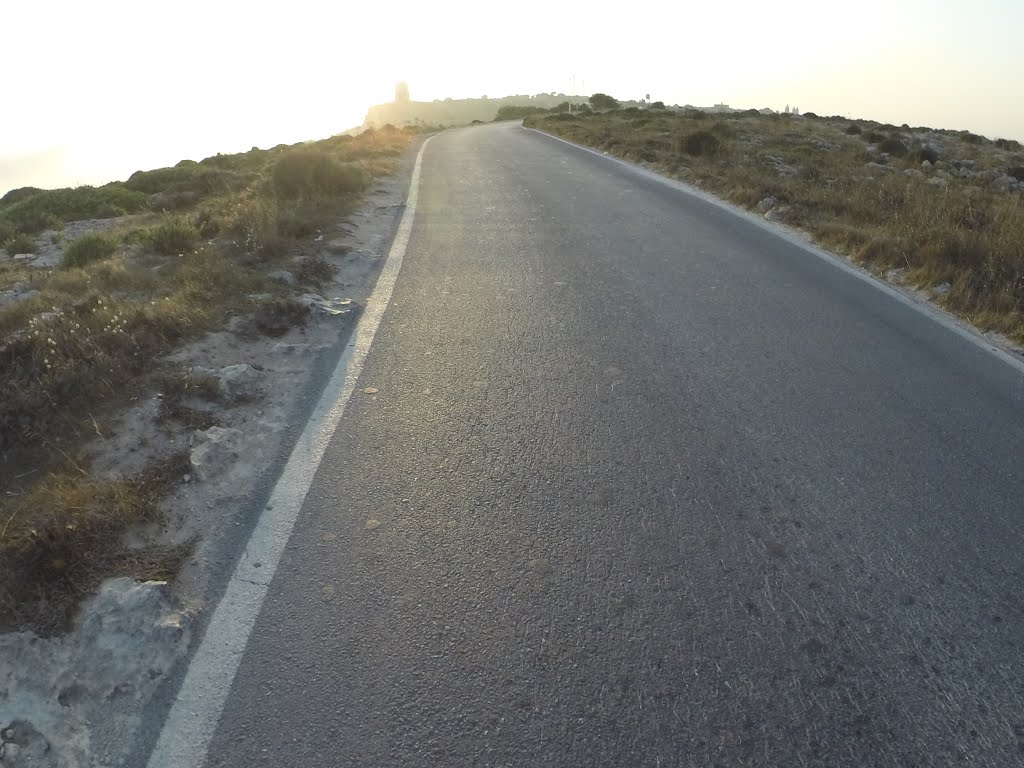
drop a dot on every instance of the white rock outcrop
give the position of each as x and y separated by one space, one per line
235 382
65 700
215 452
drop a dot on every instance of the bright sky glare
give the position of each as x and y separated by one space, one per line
94 91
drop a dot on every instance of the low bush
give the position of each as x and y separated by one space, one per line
89 248
922 154
700 144
20 243
513 112
18 194
49 207
892 146
309 174
853 130
1011 144
275 317
1017 172
314 271
173 235
199 179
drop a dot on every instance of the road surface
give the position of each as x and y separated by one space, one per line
644 484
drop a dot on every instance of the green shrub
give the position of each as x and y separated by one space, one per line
874 137
90 247
515 112
21 243
1017 172
853 130
695 114
50 207
602 101
18 194
921 154
173 235
191 180
312 174
700 144
658 105
893 146
274 317
1011 144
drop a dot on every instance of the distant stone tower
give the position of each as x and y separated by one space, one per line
402 93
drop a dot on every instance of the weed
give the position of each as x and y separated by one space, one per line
20 243
90 247
314 271
700 144
892 146
923 154
46 208
181 393
276 316
310 174
62 538
173 235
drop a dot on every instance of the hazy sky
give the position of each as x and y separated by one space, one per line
93 91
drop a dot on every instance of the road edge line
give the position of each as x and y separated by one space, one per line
193 718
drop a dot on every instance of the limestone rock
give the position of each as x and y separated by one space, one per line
63 694
236 382
214 452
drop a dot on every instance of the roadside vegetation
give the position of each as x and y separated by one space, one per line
187 248
938 210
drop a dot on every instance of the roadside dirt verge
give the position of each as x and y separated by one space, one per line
218 426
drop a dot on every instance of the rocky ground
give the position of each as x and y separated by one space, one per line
77 699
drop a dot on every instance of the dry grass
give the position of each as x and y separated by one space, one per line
966 229
94 335
62 537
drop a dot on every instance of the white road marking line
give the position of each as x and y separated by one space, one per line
193 718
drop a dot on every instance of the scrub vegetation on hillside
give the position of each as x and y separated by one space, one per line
184 249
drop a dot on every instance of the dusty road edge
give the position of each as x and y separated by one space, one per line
1002 349
194 715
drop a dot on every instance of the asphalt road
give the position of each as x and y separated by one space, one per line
644 485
